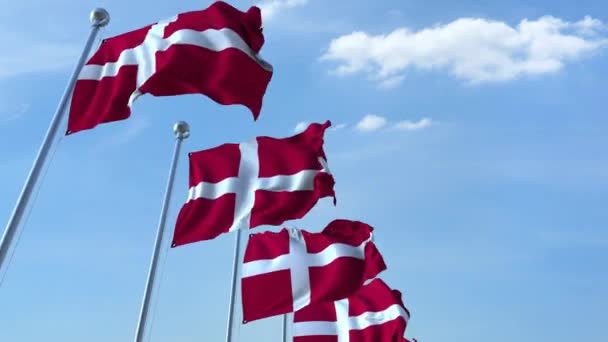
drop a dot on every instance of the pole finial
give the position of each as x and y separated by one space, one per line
181 130
99 17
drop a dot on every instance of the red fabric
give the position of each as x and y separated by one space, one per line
266 295
295 152
204 219
95 102
270 293
374 297
266 245
214 164
111 48
220 15
227 77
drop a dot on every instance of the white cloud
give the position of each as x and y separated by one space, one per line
270 8
391 82
300 127
472 49
371 123
407 125
589 26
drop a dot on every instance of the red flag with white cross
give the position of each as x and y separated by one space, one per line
286 271
213 52
374 313
265 181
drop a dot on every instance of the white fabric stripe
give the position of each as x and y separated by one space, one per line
314 328
300 274
370 318
143 54
249 168
303 180
342 320
360 322
213 190
323 258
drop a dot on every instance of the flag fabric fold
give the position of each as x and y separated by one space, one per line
372 314
285 271
213 52
266 181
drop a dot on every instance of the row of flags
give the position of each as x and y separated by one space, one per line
329 279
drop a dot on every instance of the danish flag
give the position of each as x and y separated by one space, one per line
375 313
213 52
286 271
266 181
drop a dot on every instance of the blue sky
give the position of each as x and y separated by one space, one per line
471 136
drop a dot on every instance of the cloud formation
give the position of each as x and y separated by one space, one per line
338 127
270 8
407 125
300 127
370 123
475 50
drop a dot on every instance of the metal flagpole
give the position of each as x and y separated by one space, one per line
182 131
99 18
285 328
237 249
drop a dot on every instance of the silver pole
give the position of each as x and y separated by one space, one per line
99 18
231 320
285 328
182 131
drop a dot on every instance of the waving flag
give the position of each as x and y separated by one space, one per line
213 52
265 181
286 271
374 313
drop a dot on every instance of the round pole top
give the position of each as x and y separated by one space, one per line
181 130
99 17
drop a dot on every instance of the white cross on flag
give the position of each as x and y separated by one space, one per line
286 271
213 52
266 181
375 313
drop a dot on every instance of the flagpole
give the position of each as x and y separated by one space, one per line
285 328
182 131
235 264
99 18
